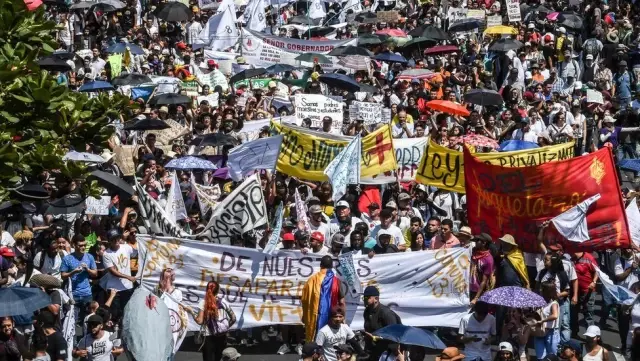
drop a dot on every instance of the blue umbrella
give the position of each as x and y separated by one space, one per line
95 86
22 300
513 145
120 48
410 335
344 82
390 57
279 68
190 162
630 164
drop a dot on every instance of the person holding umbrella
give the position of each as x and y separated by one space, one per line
376 316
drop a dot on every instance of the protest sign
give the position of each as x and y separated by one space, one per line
633 217
316 107
594 96
408 155
274 238
344 169
387 16
494 20
265 290
444 168
301 211
99 206
456 14
348 272
241 211
190 88
213 99
254 84
369 113
124 155
208 196
254 155
517 200
155 217
513 11
175 203
306 153
166 136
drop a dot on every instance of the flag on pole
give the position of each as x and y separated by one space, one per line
353 5
255 16
621 294
271 245
175 203
220 32
345 168
572 224
228 5
316 10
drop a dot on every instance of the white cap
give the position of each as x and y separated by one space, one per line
592 331
562 30
343 204
531 26
589 57
505 346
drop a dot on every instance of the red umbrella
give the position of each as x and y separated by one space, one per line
480 141
392 32
449 107
442 49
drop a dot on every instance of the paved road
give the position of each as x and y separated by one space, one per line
267 351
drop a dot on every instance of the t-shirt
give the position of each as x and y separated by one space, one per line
621 265
479 267
585 268
471 327
42 358
397 237
57 346
121 260
80 281
437 242
328 337
324 229
51 265
97 349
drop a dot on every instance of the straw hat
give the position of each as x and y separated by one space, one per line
45 281
465 232
507 238
450 354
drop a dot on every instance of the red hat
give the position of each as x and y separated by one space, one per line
547 38
318 236
7 252
181 45
288 237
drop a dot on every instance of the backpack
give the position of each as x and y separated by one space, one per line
591 47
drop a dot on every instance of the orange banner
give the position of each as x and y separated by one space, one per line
517 200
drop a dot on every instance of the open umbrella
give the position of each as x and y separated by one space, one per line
409 335
302 20
442 49
174 11
170 99
501 30
53 63
448 107
83 157
69 204
464 25
320 31
540 10
483 97
411 74
429 32
571 20
83 5
121 48
420 43
396 33
390 57
480 141
16 301
340 81
355 62
189 163
279 68
111 181
313 57
350 50
247 74
552 16
504 45
515 145
146 124
366 18
514 297
222 173
369 39
131 79
96 86
214 139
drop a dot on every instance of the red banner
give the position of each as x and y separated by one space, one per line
517 200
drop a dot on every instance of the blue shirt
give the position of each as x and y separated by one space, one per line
623 85
80 281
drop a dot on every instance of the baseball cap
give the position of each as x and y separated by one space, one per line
315 209
562 30
311 348
318 236
95 319
551 357
337 239
272 84
113 233
531 26
288 237
344 348
391 204
342 204
592 331
573 344
7 252
371 291
547 38
230 353
404 197
505 346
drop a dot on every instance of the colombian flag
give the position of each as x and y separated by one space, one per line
320 293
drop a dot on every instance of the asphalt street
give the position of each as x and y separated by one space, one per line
267 350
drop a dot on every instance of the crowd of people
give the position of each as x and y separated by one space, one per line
561 78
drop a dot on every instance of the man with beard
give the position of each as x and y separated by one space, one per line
97 346
376 316
316 221
344 222
386 226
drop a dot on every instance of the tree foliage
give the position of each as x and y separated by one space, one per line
40 120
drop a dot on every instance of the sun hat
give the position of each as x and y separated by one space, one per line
507 238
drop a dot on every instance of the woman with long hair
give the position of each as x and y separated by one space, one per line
216 318
593 350
548 344
417 241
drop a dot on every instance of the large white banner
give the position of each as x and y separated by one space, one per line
428 288
408 154
256 154
316 107
155 217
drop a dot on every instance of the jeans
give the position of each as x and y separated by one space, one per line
585 304
565 320
547 345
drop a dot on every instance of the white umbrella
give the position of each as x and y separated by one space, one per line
355 62
83 157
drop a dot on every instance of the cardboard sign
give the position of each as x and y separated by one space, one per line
387 16
99 206
370 113
166 136
513 11
190 88
494 20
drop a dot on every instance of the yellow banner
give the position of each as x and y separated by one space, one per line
306 153
444 168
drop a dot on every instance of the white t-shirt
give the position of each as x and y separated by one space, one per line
448 201
470 327
328 337
97 349
50 266
397 237
121 260
223 316
324 229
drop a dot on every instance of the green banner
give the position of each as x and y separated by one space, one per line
255 83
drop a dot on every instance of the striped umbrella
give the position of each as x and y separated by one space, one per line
355 62
416 74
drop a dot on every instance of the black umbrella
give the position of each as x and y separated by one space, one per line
247 74
429 32
483 97
341 81
320 31
53 63
170 99
131 79
214 139
111 181
71 203
19 208
32 191
505 45
420 43
174 11
464 25
369 39
302 20
541 10
570 19
350 50
366 18
146 124
279 68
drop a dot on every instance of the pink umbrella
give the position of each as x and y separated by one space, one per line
442 49
553 16
392 32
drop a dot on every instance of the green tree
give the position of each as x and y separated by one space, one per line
40 120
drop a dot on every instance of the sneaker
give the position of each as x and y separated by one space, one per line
299 349
284 349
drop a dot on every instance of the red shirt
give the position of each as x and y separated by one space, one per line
586 269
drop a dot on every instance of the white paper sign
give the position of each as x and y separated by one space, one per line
370 113
408 154
316 107
494 20
513 11
98 206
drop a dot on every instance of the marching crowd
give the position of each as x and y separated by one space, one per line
558 78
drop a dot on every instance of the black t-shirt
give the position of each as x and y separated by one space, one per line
57 346
507 275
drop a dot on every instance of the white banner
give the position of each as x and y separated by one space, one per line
175 203
370 113
316 107
408 154
513 11
241 211
98 206
633 218
428 288
208 196
257 154
154 216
